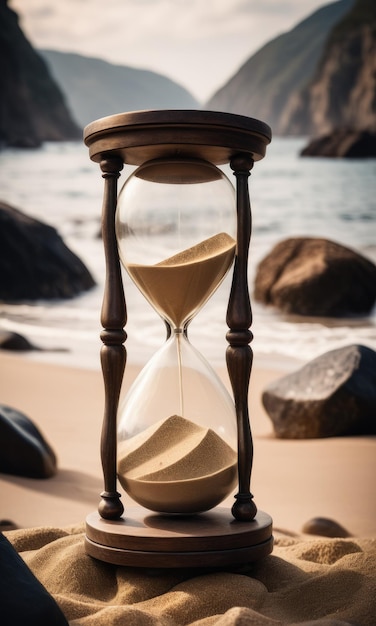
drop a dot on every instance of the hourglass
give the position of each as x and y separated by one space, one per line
178 444
176 229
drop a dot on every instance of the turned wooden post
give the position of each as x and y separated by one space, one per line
113 353
239 355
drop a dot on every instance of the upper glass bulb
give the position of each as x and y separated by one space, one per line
176 230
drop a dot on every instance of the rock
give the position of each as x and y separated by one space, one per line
24 600
23 449
33 108
7 524
18 343
325 527
353 144
34 261
331 396
317 277
15 342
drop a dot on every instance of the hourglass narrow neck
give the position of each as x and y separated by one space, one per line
178 332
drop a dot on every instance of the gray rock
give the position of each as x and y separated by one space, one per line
35 263
316 277
333 395
23 449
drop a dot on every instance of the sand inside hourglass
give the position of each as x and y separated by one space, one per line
178 286
176 466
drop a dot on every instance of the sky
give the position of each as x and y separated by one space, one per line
199 44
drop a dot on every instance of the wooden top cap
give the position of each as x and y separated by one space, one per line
138 136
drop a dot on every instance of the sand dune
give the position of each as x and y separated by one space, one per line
328 582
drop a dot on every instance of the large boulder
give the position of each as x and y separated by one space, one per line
331 396
23 449
317 277
352 144
35 263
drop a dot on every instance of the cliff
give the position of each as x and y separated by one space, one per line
342 91
267 84
32 107
95 88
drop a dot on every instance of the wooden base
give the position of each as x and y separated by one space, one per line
146 539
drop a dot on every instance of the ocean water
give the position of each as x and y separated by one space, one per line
290 196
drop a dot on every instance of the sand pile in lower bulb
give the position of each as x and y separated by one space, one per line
177 466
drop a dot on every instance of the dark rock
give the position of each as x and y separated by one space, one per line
15 342
23 449
318 277
18 343
33 109
34 261
24 600
325 527
332 395
343 143
7 524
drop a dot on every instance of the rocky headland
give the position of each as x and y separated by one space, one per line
317 80
33 108
95 88
341 92
268 84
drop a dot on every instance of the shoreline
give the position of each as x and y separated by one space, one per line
91 360
293 481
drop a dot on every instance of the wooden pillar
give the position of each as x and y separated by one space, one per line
239 355
113 353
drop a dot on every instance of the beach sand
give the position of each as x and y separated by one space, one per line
306 578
